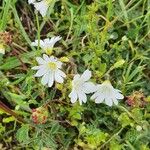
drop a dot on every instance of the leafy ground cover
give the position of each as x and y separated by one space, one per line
111 38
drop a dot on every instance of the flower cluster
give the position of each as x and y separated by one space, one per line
50 69
136 99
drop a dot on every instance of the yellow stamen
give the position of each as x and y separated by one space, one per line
48 51
52 65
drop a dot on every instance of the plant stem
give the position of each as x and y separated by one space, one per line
9 111
113 136
38 29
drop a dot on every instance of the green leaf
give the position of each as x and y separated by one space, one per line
54 129
8 119
2 128
20 100
49 142
124 119
13 62
131 135
103 67
17 97
137 113
96 137
22 134
114 145
119 63
6 13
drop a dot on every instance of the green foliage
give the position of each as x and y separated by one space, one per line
9 119
110 38
92 136
125 120
2 129
22 134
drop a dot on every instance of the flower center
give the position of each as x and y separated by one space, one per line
52 66
106 89
77 84
48 51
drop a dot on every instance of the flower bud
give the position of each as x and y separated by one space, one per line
39 115
138 128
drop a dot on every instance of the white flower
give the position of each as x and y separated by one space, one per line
47 44
106 93
80 87
49 69
41 6
2 49
31 1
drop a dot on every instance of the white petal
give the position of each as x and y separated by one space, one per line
76 77
118 95
51 79
42 7
31 1
46 41
40 60
89 87
59 64
82 97
61 73
86 75
58 78
117 90
108 101
46 58
40 72
53 59
45 78
35 43
99 99
42 44
97 93
73 96
115 101
51 42
54 40
36 67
